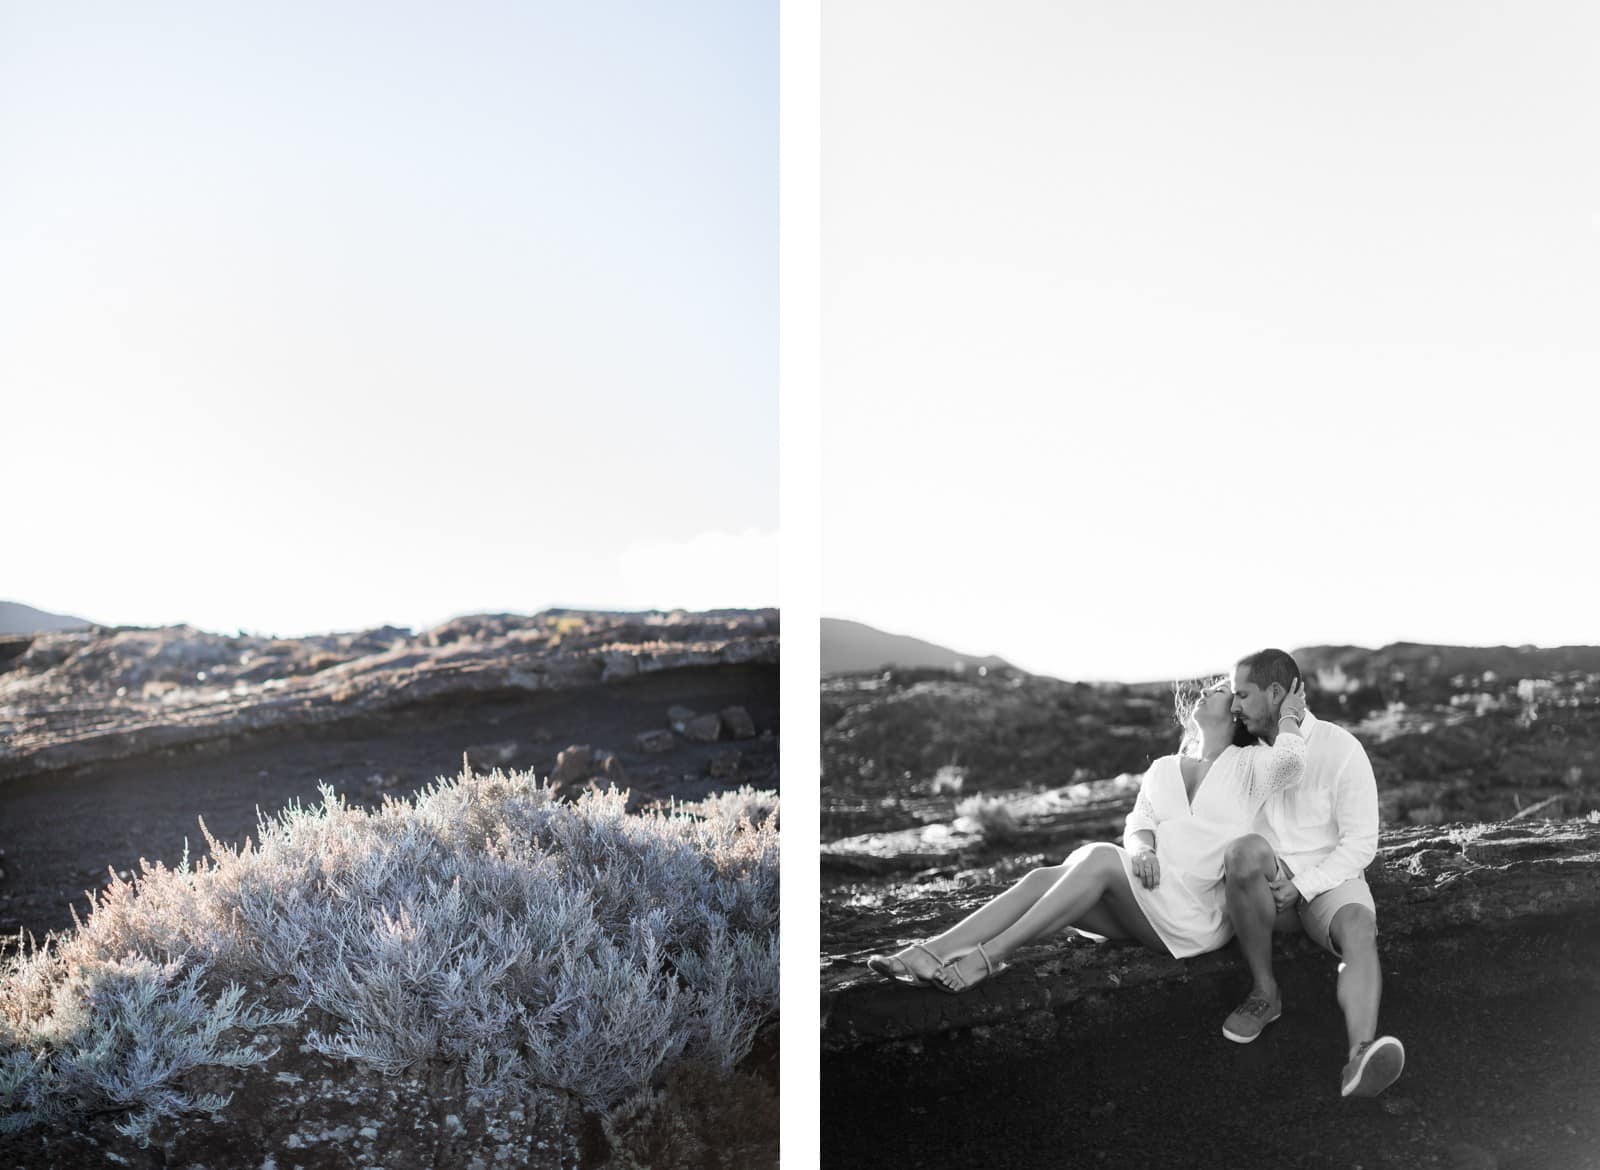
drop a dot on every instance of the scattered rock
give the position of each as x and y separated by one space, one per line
723 765
654 741
573 764
678 716
705 728
738 724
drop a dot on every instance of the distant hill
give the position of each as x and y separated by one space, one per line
852 646
1420 664
16 618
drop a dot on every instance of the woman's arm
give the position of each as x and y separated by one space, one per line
1139 832
1272 769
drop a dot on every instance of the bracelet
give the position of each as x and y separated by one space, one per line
1296 718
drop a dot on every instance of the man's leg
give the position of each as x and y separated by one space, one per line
1374 1062
1248 864
1354 931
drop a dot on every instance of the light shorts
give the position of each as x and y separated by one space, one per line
1316 916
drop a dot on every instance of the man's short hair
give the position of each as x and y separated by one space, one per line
1271 666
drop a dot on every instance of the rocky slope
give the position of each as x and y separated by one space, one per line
1454 733
71 698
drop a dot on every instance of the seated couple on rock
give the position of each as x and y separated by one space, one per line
1264 820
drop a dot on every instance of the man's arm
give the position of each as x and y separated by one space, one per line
1355 812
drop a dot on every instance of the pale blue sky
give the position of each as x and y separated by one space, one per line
1155 333
321 316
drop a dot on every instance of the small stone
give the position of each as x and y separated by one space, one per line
723 765
737 723
654 741
705 728
678 715
573 764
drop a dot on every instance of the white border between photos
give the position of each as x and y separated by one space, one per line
799 592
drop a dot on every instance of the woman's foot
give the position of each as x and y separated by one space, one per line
915 966
968 971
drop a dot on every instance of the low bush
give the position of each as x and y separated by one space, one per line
534 944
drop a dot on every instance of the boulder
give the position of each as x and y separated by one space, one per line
704 728
574 764
654 741
737 723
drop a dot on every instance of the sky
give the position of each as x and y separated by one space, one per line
1157 333
321 317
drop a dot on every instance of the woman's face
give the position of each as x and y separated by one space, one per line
1215 708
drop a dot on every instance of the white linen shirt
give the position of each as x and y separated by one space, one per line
1326 827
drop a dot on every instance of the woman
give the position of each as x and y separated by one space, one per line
1163 886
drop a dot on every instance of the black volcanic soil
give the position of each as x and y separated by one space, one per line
59 831
1503 1071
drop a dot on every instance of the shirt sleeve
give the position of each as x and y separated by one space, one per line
1355 811
1143 815
1272 769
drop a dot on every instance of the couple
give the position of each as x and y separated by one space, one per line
1265 820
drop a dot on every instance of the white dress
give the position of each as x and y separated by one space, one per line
1188 905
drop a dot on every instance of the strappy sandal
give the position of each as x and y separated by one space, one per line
896 968
963 983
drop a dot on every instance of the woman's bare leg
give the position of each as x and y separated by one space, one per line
1093 888
999 912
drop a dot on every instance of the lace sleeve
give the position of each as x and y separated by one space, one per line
1142 817
1272 769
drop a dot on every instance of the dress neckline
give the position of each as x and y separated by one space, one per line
1191 797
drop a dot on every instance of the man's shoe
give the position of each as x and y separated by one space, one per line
1250 1017
1375 1066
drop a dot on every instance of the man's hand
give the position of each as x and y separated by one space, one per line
1147 869
1284 893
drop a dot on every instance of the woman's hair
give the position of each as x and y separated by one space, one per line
1186 696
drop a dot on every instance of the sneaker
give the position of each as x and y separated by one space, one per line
1375 1066
1250 1017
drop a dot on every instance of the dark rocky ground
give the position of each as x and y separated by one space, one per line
1502 1071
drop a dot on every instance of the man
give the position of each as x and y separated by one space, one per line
1303 869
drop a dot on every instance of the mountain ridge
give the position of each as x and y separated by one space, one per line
849 646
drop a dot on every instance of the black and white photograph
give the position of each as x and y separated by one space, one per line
1210 688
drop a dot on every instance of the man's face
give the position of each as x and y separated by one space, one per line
1252 706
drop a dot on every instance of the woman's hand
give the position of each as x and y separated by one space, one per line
1294 703
1146 868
